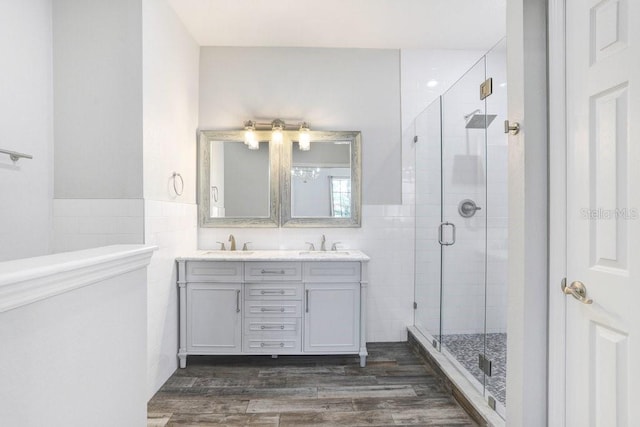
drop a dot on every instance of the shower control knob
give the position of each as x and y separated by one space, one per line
467 208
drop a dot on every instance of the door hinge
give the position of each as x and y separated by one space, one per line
492 402
415 305
484 364
486 88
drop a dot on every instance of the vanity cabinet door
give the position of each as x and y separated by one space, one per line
214 320
332 317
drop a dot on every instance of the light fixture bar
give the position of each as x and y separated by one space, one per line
277 126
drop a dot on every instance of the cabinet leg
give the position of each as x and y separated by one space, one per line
182 356
363 361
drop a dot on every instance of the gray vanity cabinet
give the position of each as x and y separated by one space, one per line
271 307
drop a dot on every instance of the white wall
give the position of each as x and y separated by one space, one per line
170 118
97 79
332 89
78 358
97 82
26 109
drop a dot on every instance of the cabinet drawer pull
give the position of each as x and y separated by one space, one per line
272 271
264 309
237 301
262 344
267 292
306 297
272 327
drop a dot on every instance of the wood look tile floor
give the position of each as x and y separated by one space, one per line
395 388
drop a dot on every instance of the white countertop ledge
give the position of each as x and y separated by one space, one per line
25 281
276 255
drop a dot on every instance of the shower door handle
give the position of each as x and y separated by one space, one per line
453 233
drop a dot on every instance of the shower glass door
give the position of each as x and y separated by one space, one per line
497 229
428 218
463 231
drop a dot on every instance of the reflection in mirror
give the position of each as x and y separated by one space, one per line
321 186
239 180
238 186
321 180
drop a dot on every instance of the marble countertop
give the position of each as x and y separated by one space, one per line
275 255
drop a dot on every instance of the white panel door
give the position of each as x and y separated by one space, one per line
603 230
214 321
332 317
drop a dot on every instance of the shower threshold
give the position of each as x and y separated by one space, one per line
465 348
463 386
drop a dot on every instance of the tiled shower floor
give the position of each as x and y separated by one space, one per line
466 347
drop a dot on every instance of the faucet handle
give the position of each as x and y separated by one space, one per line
244 247
334 247
222 248
311 246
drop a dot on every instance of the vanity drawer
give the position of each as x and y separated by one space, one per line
272 271
257 308
331 272
253 344
214 271
270 291
272 327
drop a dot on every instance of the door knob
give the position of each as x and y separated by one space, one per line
577 289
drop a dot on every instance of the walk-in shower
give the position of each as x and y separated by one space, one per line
461 226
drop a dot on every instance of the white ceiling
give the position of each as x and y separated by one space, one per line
446 24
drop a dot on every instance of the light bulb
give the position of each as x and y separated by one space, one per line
254 144
249 137
276 131
304 140
276 136
249 132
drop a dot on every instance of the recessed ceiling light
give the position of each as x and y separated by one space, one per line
432 83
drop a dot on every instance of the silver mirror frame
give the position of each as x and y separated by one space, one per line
356 181
204 181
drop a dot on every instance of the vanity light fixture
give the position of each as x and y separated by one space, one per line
304 139
277 126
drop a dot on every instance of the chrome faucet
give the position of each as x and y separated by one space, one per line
322 243
233 242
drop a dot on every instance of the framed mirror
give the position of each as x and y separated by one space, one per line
321 186
237 186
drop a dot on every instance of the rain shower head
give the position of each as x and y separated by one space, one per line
479 121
